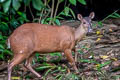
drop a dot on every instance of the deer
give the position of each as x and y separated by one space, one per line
30 38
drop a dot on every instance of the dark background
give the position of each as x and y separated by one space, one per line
102 8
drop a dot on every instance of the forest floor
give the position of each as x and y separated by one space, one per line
98 57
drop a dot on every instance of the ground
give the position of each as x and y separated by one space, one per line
97 57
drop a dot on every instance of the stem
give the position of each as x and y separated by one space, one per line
51 16
41 15
42 12
47 15
31 12
109 15
56 8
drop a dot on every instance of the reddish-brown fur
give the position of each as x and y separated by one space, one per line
33 37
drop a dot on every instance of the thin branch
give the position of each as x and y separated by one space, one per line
52 11
46 15
31 12
43 11
56 8
41 15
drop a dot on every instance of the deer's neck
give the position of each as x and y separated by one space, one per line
79 33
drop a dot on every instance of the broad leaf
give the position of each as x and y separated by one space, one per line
7 52
1 47
16 4
37 4
6 5
1 56
1 37
73 14
27 2
66 10
82 2
73 2
61 1
1 1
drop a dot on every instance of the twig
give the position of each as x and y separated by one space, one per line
56 8
31 12
47 15
109 15
42 12
41 15
52 12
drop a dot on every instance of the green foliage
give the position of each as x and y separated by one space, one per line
3 48
44 66
16 4
54 15
57 54
82 2
37 4
11 16
72 76
8 23
6 5
112 15
73 2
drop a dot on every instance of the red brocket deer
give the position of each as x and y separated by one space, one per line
30 38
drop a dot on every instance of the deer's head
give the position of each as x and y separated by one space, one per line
86 21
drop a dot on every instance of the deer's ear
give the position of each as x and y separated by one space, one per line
79 16
92 15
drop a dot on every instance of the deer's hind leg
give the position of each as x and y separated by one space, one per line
16 60
28 65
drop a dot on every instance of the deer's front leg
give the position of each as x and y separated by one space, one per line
68 54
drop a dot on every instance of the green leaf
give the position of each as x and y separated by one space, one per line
16 4
37 4
88 61
1 37
56 54
82 2
42 21
73 14
66 10
3 42
61 1
1 47
6 5
14 23
117 15
26 2
58 17
57 22
4 27
73 2
1 1
1 56
43 67
104 64
22 17
100 23
7 52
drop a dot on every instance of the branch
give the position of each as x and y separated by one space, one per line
51 16
56 8
31 12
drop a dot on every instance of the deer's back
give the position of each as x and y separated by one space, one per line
41 38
